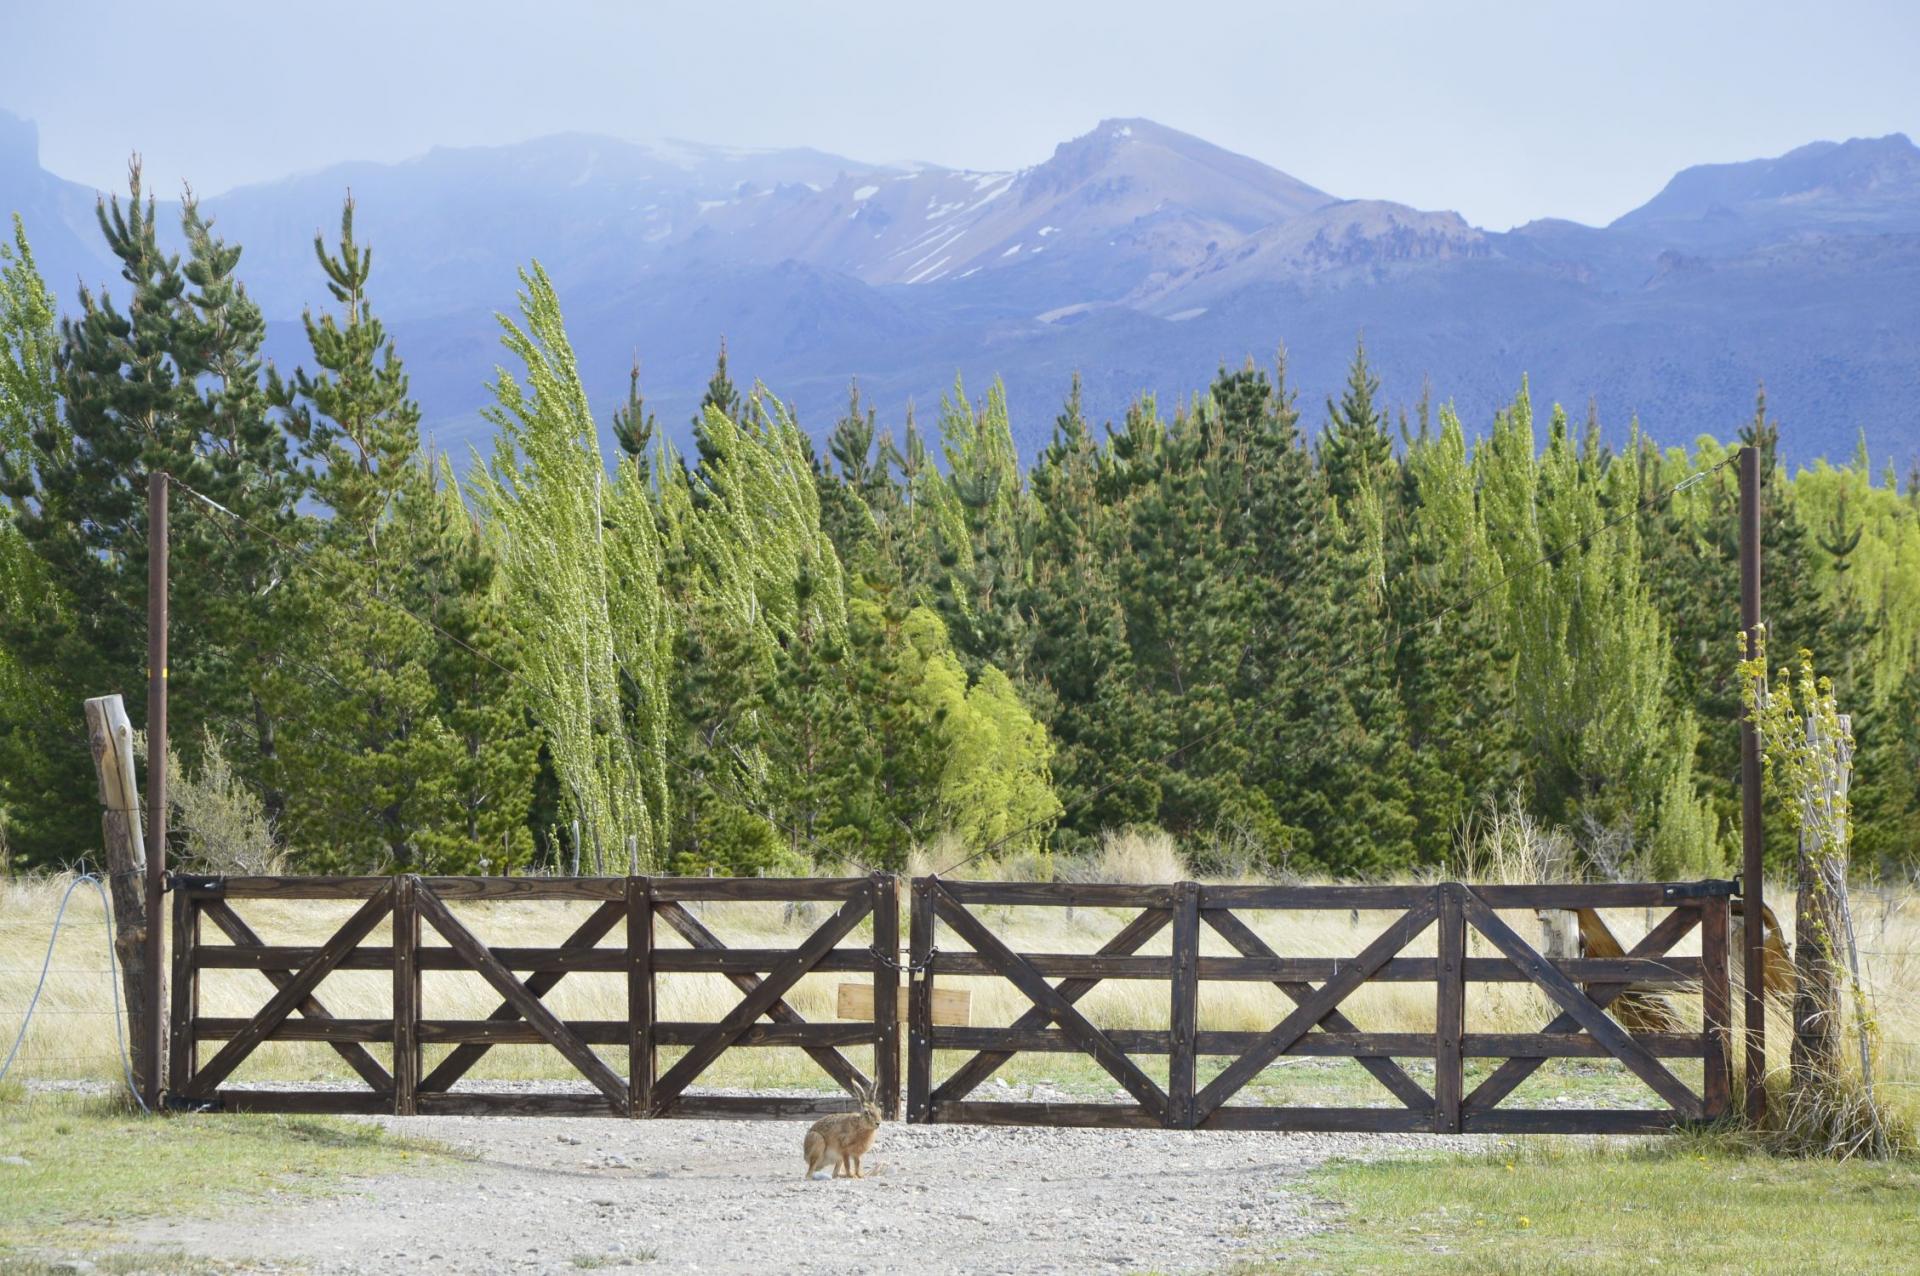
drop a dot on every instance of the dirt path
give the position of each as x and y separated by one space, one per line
551 1195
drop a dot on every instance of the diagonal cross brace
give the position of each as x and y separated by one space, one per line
457 1063
1021 974
298 988
1505 1079
1316 1007
973 1072
835 1064
1385 1070
520 997
221 914
1617 1040
759 1001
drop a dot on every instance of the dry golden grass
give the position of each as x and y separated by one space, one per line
72 1035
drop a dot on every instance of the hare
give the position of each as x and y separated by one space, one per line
843 1139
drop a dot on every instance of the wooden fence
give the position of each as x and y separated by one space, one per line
1582 988
630 910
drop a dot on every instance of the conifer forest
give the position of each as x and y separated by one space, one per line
1321 638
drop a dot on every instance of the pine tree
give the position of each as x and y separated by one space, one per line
1355 447
633 425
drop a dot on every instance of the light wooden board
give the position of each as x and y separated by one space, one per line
952 1007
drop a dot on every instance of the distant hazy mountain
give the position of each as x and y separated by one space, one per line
1137 255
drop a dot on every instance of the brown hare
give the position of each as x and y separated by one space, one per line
843 1139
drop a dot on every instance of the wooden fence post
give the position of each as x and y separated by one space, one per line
1716 1005
1184 1007
110 736
886 993
406 994
1450 1006
640 1009
920 1005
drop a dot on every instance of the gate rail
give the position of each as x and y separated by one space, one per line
1581 989
629 907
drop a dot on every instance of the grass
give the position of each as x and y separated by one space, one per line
92 1164
1690 1204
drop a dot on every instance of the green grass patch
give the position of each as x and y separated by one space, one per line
91 1164
1684 1204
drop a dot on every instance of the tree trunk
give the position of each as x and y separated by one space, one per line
110 735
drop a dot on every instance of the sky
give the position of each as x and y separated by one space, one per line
1502 111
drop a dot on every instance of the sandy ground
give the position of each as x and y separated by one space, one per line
559 1195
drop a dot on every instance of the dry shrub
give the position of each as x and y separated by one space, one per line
1506 845
222 823
1141 856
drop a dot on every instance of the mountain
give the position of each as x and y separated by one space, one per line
1137 255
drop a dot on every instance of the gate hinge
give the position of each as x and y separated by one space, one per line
1709 889
181 1103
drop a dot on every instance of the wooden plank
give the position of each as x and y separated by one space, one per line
777 890
1316 1007
230 924
1318 1120
814 1035
1523 1045
458 1063
530 1007
1569 1121
1183 1009
318 1102
690 928
1387 898
297 989
110 738
1450 1011
1098 1116
754 961
975 1071
208 1028
640 997
886 993
951 1006
753 1106
287 887
1058 1008
470 1103
182 1054
526 888
1563 991
1383 1069
1504 1079
920 1002
1716 1009
759 1001
1276 969
516 1032
1321 1045
1059 894
406 995
1572 895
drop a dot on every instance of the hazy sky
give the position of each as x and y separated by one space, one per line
1504 111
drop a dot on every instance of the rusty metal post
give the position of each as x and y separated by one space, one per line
152 1045
1752 846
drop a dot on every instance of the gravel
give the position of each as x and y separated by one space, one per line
560 1195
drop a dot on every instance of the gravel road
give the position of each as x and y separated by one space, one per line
556 1195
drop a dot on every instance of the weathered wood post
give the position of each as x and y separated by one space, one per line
1818 920
110 736
1752 843
152 1039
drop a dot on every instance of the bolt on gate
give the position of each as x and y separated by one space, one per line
1592 996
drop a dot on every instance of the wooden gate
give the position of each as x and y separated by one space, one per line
625 908
1581 988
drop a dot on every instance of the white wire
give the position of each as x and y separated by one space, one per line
113 980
